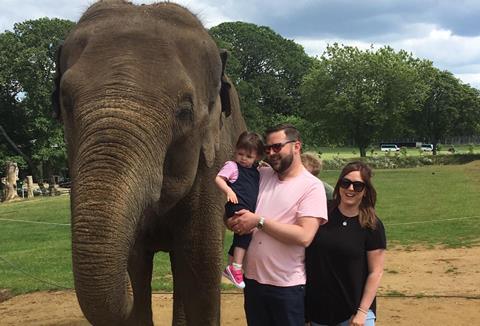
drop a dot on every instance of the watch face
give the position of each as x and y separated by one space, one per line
260 223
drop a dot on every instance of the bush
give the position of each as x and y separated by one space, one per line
470 149
400 161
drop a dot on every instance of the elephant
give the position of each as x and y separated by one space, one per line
149 116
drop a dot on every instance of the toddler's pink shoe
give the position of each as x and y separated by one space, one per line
235 276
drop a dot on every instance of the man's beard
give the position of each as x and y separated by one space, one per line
282 165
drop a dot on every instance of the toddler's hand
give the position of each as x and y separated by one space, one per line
232 197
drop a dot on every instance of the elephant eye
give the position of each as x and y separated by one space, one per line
185 110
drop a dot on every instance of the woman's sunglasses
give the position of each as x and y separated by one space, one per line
358 186
276 147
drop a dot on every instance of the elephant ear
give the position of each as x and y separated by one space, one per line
226 92
55 97
211 139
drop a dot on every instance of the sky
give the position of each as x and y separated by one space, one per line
446 32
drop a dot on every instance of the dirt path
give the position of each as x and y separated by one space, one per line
454 273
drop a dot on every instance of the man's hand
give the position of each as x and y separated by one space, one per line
243 222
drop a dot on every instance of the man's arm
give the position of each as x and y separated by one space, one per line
301 233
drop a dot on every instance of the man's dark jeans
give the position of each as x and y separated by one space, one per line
268 305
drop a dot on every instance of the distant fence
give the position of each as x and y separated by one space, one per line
458 140
464 140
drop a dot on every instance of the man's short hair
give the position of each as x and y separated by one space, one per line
290 130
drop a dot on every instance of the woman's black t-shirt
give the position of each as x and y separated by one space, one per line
337 268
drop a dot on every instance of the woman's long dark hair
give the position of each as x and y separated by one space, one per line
367 216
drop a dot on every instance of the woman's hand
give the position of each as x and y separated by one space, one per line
358 319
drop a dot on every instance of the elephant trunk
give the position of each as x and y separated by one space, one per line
112 185
99 244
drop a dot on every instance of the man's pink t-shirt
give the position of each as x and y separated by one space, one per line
270 261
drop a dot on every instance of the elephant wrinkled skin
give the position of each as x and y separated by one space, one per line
149 117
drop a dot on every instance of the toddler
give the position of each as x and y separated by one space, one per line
239 180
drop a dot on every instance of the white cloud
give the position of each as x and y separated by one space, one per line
458 54
209 13
432 34
472 79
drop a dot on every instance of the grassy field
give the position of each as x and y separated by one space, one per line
430 206
408 199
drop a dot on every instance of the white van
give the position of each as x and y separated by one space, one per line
389 148
426 147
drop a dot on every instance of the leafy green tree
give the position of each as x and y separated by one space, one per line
450 107
468 122
27 68
266 68
361 96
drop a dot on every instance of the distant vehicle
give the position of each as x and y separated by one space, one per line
65 183
389 148
426 147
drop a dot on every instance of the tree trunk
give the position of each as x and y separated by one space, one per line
11 173
363 152
52 187
15 147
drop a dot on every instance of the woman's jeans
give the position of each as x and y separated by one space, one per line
369 321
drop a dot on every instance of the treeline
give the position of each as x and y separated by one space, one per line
346 96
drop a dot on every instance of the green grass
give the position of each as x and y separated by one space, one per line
444 195
39 250
38 257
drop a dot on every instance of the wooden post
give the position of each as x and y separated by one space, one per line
29 186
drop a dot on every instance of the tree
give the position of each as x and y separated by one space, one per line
450 107
468 122
361 96
267 70
27 68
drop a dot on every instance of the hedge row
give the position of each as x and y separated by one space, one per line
400 161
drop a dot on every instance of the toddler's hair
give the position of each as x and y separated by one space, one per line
312 163
250 141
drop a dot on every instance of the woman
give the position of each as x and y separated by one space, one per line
345 260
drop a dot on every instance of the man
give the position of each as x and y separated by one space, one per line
291 205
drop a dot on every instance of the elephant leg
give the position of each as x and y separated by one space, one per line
196 267
179 318
140 268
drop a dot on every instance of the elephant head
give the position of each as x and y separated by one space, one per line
148 116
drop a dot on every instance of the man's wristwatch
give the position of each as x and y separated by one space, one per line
261 223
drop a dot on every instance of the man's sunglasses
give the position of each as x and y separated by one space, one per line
358 186
276 147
